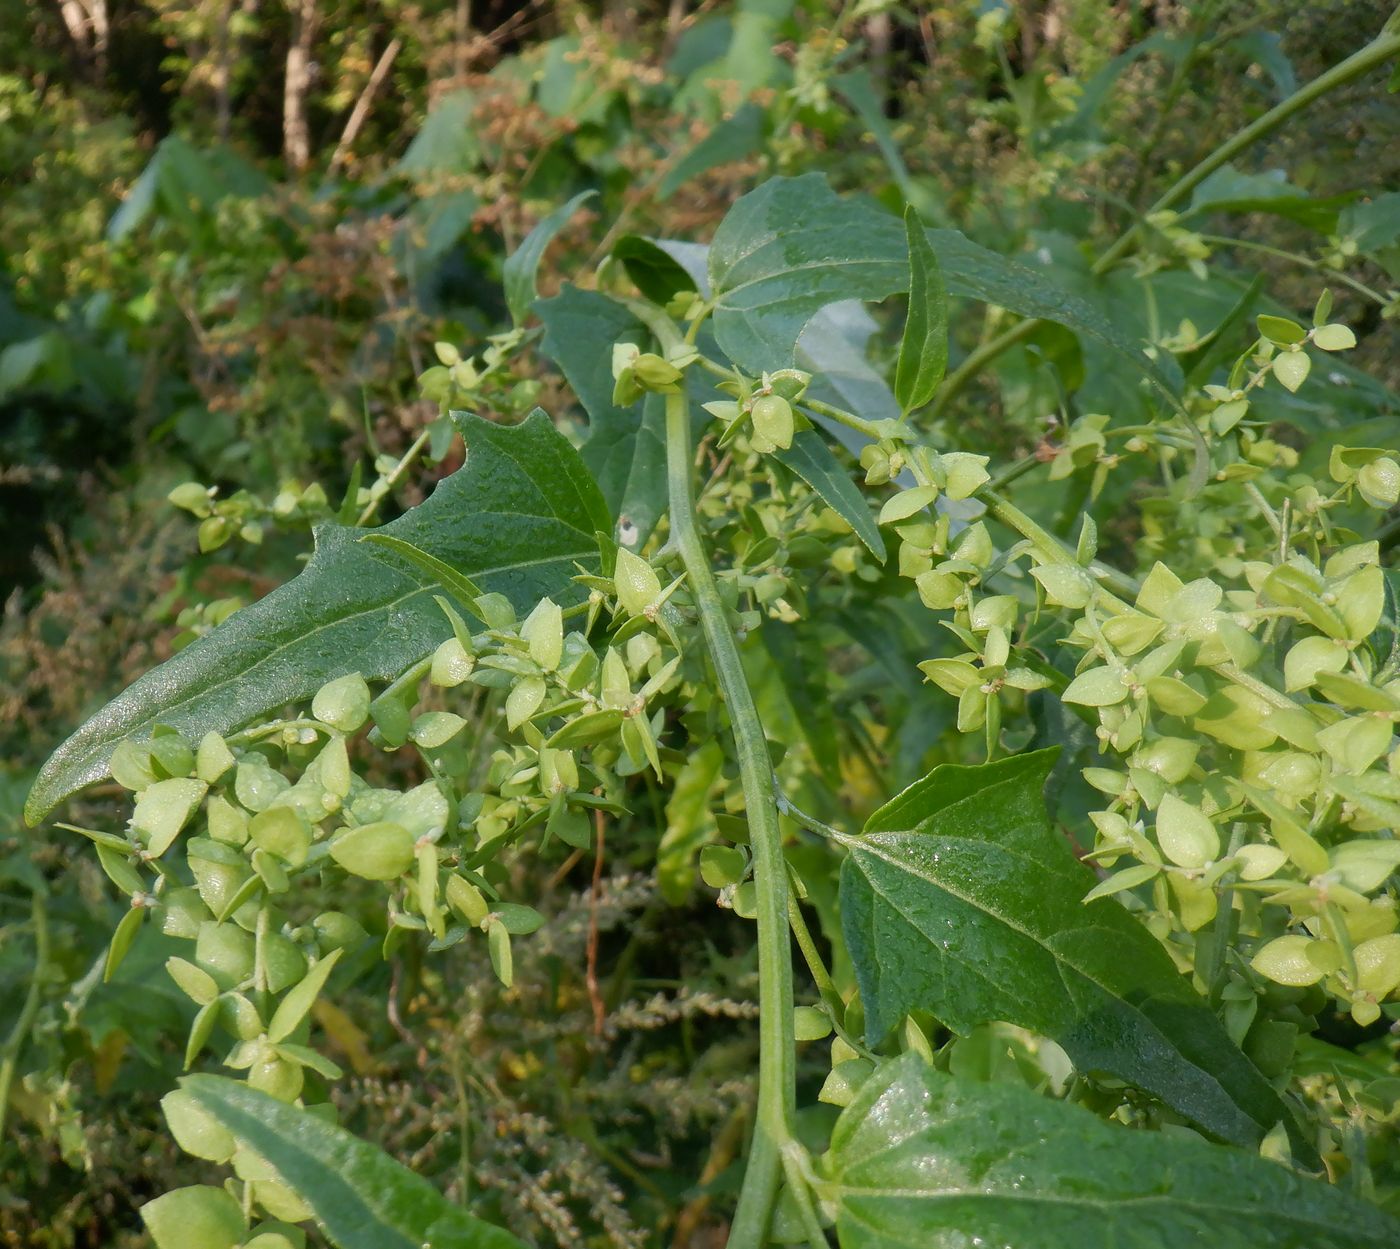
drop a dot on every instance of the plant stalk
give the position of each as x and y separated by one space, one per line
777 1094
1384 46
14 1043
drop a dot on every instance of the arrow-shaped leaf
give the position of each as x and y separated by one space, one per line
791 247
961 900
514 520
920 1160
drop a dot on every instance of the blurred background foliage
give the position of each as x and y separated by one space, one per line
230 233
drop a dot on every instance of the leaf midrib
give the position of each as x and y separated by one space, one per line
1003 1195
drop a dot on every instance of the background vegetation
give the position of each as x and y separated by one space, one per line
231 232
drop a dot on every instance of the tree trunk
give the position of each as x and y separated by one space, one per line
296 138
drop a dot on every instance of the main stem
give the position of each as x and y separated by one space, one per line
777 1097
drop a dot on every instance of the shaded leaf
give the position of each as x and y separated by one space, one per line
812 460
518 272
1230 191
626 447
976 914
514 520
923 1160
653 270
359 1195
735 138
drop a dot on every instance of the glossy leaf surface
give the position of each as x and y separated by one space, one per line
361 1197
963 901
514 520
925 1161
923 352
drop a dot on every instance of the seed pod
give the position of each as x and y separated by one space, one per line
655 373
182 912
284 962
164 809
773 420
283 832
226 952
195 1130
379 851
198 1215
636 582
451 664
277 1077
343 703
336 930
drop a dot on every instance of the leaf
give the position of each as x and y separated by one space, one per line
442 573
689 821
653 270
786 250
976 914
735 138
858 89
518 272
446 143
924 1160
298 1001
359 1195
515 520
626 447
812 460
1228 190
790 248
923 353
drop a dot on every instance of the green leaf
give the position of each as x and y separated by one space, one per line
446 142
689 821
654 272
297 1002
360 1196
922 1160
923 352
443 574
976 914
790 248
518 272
626 447
812 460
515 520
198 1217
735 138
867 101
1228 190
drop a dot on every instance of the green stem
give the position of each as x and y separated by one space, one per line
14 1043
393 479
1222 240
800 1188
1377 52
777 1096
